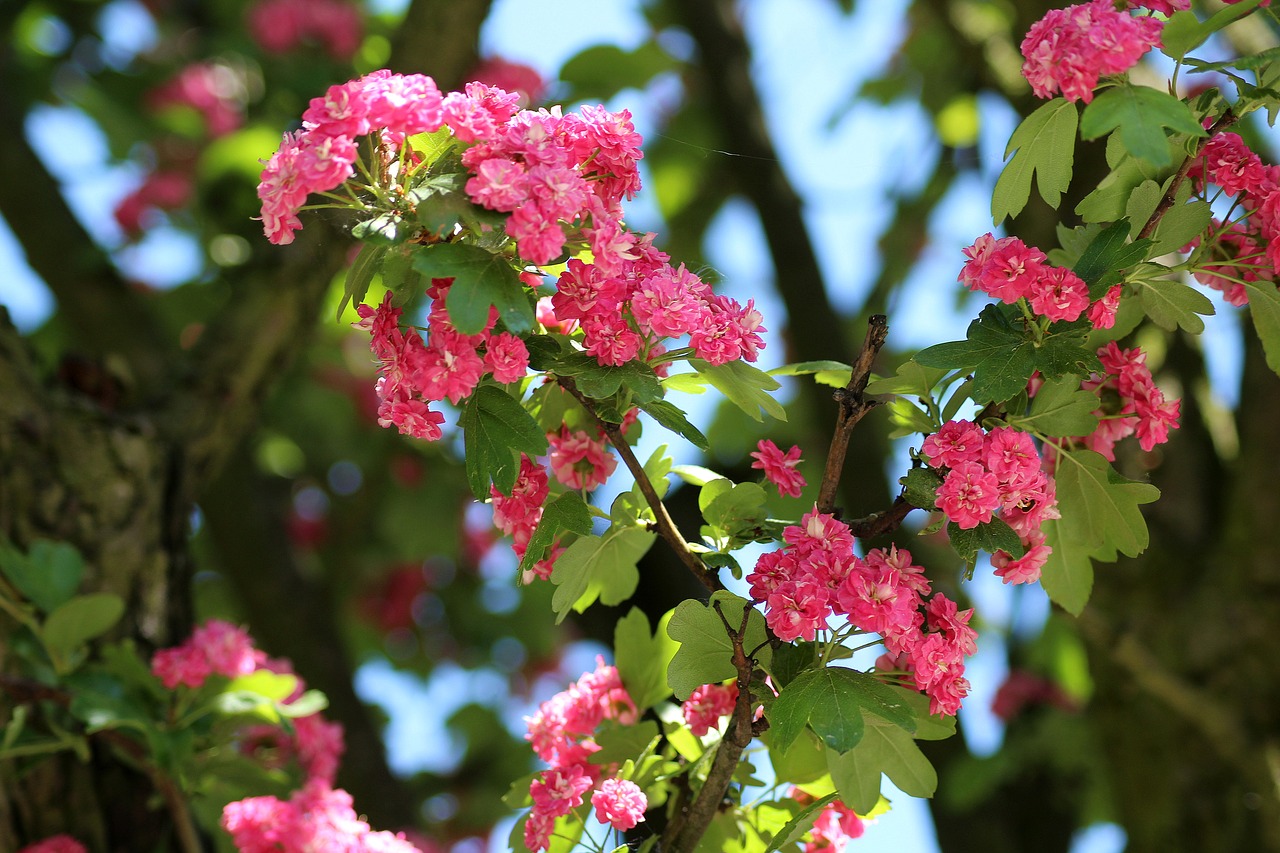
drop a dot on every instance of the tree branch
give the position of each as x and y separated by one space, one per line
1224 121
853 407
662 519
81 276
684 833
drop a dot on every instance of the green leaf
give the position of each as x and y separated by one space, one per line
1060 408
1181 223
884 749
999 353
1264 307
734 509
1067 576
790 659
1045 145
819 699
79 620
1065 354
385 229
1142 204
705 655
271 686
912 378
671 417
696 475
642 658
601 567
1140 114
618 742
1099 507
48 575
600 72
356 283
1107 255
599 381
496 429
567 513
481 279
310 702
920 487
745 386
994 535
831 700
1110 201
1184 32
833 373
1171 304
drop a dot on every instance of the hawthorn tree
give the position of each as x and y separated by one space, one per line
210 451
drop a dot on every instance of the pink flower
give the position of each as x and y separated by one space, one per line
559 790
507 357
706 705
1024 569
1102 314
835 827
779 468
797 610
619 803
954 443
1069 49
578 461
969 495
1059 294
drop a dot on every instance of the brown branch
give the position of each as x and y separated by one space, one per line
1224 121
662 518
883 522
684 833
853 407
79 274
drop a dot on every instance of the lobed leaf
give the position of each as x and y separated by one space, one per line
1044 144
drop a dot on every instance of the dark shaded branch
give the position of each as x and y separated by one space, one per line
1225 121
77 271
853 407
688 827
666 527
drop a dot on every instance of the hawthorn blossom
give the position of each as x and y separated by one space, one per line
316 817
579 461
1069 49
619 803
706 705
779 468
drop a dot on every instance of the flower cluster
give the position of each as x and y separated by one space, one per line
579 461
445 365
315 818
628 306
1069 49
1242 250
220 648
779 468
215 648
1130 402
561 735
1009 270
986 474
215 91
816 575
279 26
707 704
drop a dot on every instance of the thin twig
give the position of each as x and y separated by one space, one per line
687 830
666 526
853 406
1224 121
